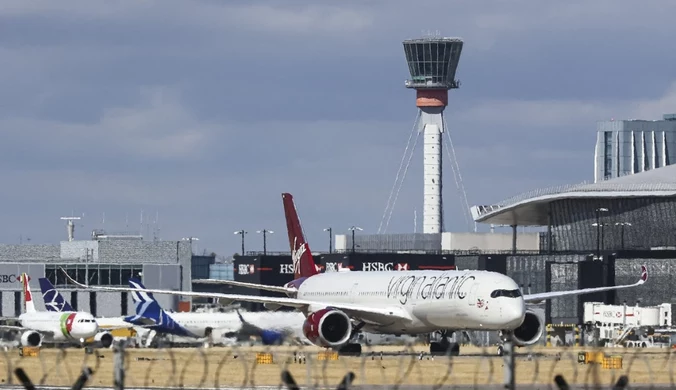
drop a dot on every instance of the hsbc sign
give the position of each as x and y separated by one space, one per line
245 269
8 278
335 267
286 268
377 266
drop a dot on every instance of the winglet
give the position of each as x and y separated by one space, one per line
644 275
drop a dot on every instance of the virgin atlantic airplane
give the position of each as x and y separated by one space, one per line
337 305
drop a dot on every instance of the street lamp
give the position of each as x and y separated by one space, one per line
242 232
264 241
353 228
599 243
330 238
622 225
599 229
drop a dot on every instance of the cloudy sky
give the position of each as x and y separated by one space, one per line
204 112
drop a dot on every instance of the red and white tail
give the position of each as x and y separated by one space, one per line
29 306
303 263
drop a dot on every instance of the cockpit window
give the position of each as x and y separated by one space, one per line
506 293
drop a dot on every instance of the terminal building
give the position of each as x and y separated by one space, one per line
625 147
598 233
105 260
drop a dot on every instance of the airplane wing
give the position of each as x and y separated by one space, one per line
279 289
21 328
373 314
535 298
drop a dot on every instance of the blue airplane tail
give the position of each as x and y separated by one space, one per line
150 314
54 301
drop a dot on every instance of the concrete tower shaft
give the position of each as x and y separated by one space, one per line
432 63
432 125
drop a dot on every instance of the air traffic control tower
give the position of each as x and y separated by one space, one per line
432 63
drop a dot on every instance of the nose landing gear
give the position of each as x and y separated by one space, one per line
444 347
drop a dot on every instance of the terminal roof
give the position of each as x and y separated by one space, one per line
531 208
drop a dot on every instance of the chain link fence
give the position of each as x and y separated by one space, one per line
381 367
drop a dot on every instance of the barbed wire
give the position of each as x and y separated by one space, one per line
293 367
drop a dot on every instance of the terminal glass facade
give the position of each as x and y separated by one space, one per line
94 274
631 146
222 271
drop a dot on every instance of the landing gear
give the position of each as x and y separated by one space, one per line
350 349
444 347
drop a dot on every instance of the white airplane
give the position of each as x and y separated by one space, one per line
272 328
62 327
339 304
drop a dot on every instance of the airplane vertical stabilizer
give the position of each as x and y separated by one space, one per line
303 263
54 301
29 306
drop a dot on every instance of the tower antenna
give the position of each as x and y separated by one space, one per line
70 226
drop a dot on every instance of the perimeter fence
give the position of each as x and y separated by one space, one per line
378 367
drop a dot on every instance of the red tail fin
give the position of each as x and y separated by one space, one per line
303 263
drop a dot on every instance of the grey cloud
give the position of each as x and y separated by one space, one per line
207 111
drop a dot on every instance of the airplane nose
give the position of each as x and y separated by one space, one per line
515 314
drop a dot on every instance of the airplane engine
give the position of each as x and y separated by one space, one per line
530 331
31 339
103 339
328 328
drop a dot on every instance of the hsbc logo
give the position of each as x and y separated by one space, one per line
377 266
286 269
335 267
8 279
245 269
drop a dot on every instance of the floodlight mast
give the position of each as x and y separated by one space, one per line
432 63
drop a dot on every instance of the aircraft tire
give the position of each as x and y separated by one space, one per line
351 349
447 348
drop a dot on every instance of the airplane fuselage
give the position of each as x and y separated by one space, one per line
198 323
63 326
434 300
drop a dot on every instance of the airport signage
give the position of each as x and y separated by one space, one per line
335 267
8 278
286 268
246 269
378 266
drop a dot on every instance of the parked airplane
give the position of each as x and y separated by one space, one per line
116 326
149 314
338 304
62 327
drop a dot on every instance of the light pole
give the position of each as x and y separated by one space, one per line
242 232
330 238
599 230
599 226
622 225
265 250
353 228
